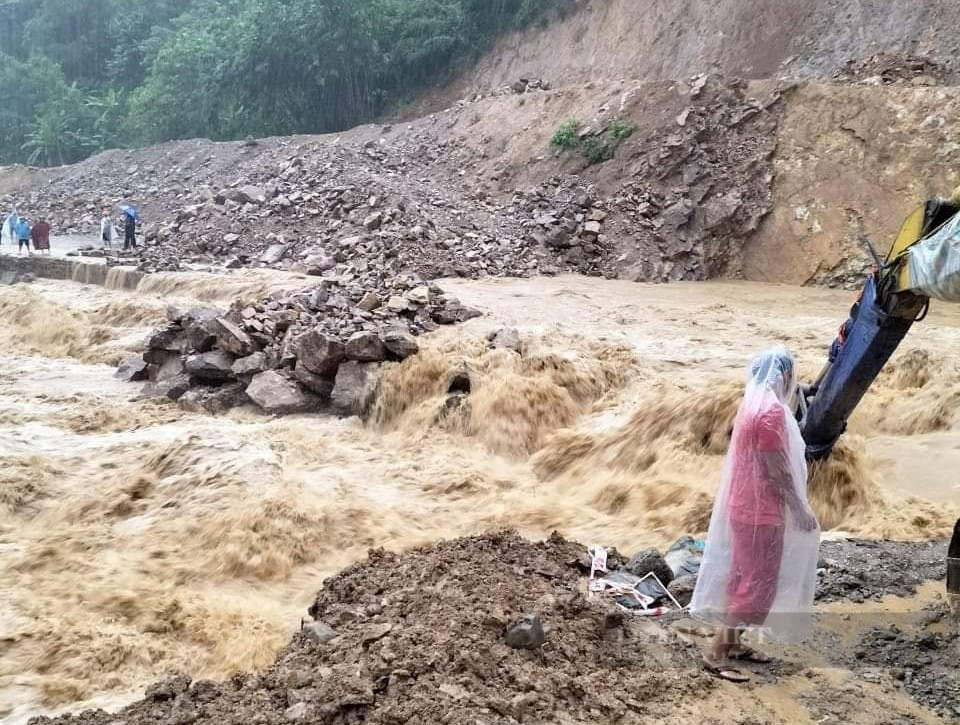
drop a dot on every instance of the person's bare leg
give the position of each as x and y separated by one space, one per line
726 639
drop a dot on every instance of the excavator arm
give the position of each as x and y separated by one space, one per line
888 306
923 262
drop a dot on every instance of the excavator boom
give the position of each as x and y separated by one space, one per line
923 263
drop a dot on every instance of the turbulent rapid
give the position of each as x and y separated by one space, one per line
139 540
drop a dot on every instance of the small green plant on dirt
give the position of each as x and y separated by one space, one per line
621 130
595 147
566 136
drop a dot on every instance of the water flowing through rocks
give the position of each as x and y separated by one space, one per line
139 540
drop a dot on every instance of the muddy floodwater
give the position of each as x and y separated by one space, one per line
138 540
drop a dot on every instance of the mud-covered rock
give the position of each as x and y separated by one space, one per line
355 387
132 369
650 561
316 384
213 366
276 393
365 346
400 343
250 365
321 354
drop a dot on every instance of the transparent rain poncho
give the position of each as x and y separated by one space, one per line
760 562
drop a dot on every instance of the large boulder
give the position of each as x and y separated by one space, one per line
233 338
204 399
132 369
170 338
355 388
366 347
172 367
173 388
320 354
400 343
274 253
200 335
276 393
213 366
250 365
316 384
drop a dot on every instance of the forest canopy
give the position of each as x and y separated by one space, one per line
80 76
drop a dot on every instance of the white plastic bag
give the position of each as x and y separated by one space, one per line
934 263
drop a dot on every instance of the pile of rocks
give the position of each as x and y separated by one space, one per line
888 69
321 348
700 185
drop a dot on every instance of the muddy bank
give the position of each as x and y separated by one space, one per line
422 637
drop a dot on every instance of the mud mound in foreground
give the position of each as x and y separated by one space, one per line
420 640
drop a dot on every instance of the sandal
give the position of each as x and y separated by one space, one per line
750 655
730 674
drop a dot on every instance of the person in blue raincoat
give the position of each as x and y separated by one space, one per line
23 235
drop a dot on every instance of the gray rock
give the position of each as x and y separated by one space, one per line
373 632
248 195
320 354
355 388
274 253
172 367
316 384
650 560
200 335
400 343
297 713
682 588
233 338
250 365
214 366
398 304
419 295
366 347
526 633
278 394
170 338
231 238
508 338
317 264
172 388
373 221
319 632
204 399
226 397
592 228
370 302
185 316
132 369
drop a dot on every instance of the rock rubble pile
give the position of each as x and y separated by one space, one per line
317 349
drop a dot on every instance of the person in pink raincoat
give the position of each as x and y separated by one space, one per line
759 567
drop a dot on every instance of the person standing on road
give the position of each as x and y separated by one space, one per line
23 235
129 231
107 231
760 562
9 229
40 235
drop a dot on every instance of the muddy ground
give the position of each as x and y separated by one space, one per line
419 638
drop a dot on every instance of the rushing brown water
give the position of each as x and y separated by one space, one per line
138 540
